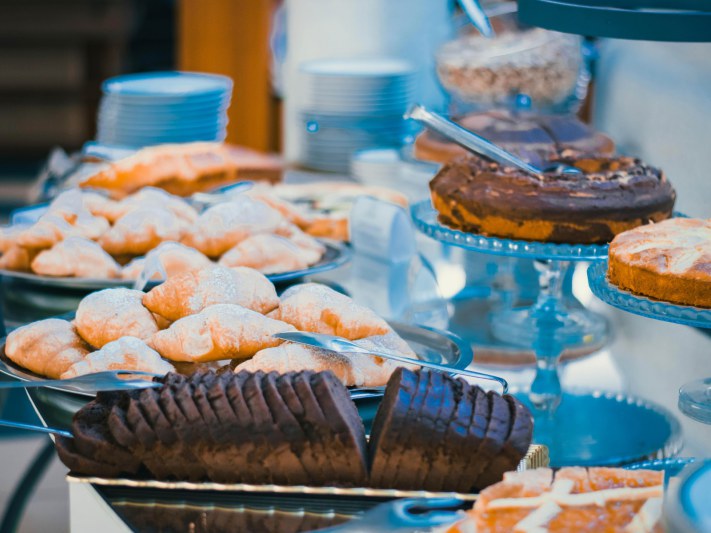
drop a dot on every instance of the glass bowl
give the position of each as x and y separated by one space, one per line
524 68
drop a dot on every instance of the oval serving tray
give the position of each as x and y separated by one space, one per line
56 406
336 255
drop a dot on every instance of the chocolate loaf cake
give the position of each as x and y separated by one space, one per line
431 432
229 428
446 436
611 196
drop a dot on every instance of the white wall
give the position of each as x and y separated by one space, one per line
654 99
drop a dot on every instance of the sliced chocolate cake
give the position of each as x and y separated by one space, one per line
246 427
460 437
389 425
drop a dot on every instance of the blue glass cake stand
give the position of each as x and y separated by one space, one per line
694 397
580 428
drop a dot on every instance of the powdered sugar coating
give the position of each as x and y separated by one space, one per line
222 331
108 315
46 347
139 231
320 309
176 259
192 292
269 254
76 257
224 225
126 353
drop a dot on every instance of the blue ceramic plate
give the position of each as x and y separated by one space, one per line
594 428
170 85
687 506
425 218
640 305
337 254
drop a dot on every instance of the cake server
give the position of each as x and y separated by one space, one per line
109 380
341 345
479 145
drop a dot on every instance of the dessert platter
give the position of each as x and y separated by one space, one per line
663 272
554 218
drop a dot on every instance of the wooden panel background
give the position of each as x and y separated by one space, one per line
231 37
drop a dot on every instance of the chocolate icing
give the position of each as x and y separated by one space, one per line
611 189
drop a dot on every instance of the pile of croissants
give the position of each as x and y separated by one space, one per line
214 316
85 234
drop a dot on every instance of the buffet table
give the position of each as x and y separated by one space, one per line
646 358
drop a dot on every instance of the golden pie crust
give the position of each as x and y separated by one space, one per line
669 261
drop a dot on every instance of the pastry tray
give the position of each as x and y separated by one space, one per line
336 254
537 457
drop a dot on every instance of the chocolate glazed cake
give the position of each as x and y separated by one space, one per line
611 196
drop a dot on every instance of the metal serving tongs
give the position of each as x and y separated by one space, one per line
341 345
38 429
406 515
220 194
481 146
110 380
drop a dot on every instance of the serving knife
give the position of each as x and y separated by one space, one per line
332 343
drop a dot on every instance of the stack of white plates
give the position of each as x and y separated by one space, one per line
351 105
163 107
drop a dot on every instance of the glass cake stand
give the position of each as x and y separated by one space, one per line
576 426
695 396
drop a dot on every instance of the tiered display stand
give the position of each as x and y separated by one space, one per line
580 428
694 397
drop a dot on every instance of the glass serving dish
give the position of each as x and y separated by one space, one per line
522 67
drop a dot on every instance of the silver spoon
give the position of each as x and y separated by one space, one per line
341 345
481 146
100 381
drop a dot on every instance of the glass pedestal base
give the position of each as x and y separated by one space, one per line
579 327
695 400
599 429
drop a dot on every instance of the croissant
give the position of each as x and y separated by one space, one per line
139 231
222 226
150 197
174 257
18 258
108 315
8 237
73 206
77 257
320 309
184 168
190 293
313 249
46 232
360 370
290 211
47 347
126 353
269 254
222 331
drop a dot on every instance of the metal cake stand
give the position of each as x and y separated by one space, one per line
576 426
